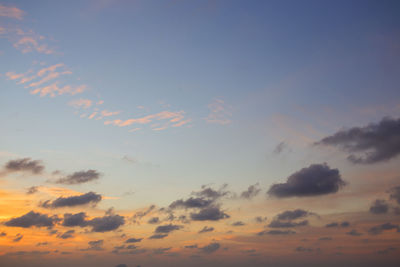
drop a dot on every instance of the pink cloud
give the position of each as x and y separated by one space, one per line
220 113
81 103
54 89
11 12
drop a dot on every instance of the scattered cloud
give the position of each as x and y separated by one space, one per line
133 240
375 230
165 229
289 224
354 232
210 248
67 234
317 179
11 12
220 113
206 229
24 165
72 201
212 213
33 219
78 219
276 232
238 223
336 224
395 194
18 237
280 148
79 177
378 142
294 214
32 190
252 191
379 206
81 103
106 223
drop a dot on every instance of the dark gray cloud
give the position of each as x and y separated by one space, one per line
192 246
18 237
79 177
317 179
252 191
165 229
88 198
260 219
276 232
293 214
375 230
32 190
42 244
133 240
303 249
95 245
287 224
210 193
210 248
158 236
67 234
161 250
354 232
3 234
106 223
33 219
212 213
24 165
78 219
238 223
336 224
191 203
395 194
140 214
279 148
379 207
370 144
206 229
154 220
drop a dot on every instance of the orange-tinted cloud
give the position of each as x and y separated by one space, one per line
11 12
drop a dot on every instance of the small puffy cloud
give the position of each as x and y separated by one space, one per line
78 219
81 103
106 223
260 219
67 234
153 220
24 165
32 219
206 229
375 230
379 207
3 234
158 236
280 224
95 245
79 177
280 148
238 223
133 240
191 203
165 229
210 248
212 213
293 214
11 12
32 190
374 143
252 191
354 232
336 224
73 201
315 180
276 232
18 237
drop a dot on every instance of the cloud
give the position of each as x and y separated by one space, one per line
280 224
3 234
379 207
395 194
161 250
326 238
73 201
354 233
122 265
32 190
206 229
133 240
53 89
154 220
11 12
220 113
293 214
276 232
18 237
238 223
165 229
106 223
260 219
158 236
375 230
33 219
67 234
81 103
317 179
212 213
303 249
95 245
376 142
191 203
252 191
78 219
279 148
24 165
79 177
210 248
335 224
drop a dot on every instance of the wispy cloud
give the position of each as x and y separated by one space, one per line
220 113
81 103
11 12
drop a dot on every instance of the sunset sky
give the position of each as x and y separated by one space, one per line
199 133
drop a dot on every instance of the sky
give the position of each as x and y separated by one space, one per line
209 133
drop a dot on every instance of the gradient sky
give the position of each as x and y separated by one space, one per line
209 133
